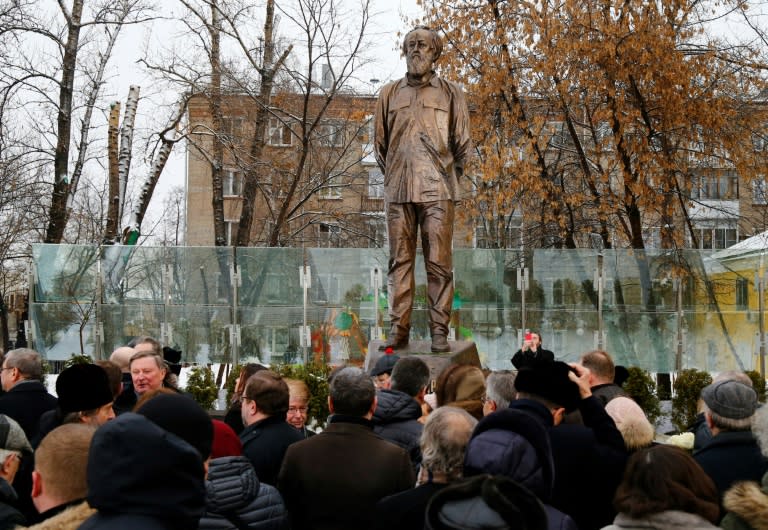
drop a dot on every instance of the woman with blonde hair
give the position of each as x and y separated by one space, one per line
298 405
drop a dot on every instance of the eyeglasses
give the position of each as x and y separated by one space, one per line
8 368
299 410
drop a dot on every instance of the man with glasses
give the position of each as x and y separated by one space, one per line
266 435
26 398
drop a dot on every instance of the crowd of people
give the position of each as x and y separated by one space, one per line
547 446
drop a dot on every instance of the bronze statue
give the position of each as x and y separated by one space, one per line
422 143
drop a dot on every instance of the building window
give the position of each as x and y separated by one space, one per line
717 238
232 182
329 235
742 294
279 133
232 128
230 231
375 183
715 187
759 191
331 134
332 187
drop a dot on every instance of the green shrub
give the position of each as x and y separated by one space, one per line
641 387
688 386
758 382
201 385
78 358
315 375
231 381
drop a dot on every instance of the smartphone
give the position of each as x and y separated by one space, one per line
528 335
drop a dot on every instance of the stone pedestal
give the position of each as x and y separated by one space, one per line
462 352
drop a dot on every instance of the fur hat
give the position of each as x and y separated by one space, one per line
83 387
12 437
632 422
550 381
182 416
384 364
225 441
730 399
485 501
172 359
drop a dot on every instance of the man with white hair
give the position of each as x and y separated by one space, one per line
499 391
13 447
733 454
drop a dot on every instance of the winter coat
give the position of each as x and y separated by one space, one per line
589 461
141 476
747 506
515 444
730 457
396 419
667 520
606 392
264 444
333 480
234 493
25 403
10 517
69 519
522 359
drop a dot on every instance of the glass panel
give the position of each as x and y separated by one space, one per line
660 309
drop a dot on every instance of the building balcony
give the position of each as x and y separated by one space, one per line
371 204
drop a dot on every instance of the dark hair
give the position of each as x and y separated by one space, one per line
351 391
665 477
410 375
270 393
114 374
437 42
599 363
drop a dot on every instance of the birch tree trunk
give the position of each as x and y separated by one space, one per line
113 209
61 187
126 142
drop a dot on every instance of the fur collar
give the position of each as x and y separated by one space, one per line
69 519
749 502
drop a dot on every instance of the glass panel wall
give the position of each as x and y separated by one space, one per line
660 310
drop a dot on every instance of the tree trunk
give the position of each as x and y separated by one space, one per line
110 232
126 142
61 184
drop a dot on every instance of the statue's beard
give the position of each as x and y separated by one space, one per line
418 65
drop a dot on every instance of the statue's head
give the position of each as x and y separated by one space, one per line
422 46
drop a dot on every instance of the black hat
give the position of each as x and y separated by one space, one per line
182 416
730 399
549 381
384 364
485 501
83 387
172 359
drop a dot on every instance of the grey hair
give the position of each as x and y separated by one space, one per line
760 428
444 440
28 362
728 424
500 388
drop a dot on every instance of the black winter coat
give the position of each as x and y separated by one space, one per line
396 419
730 457
264 444
10 517
235 496
25 403
589 462
141 476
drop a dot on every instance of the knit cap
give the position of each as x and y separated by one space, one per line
182 416
225 441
